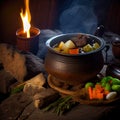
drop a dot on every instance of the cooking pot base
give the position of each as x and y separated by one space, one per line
72 82
63 87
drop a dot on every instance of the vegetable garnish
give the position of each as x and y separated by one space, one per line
61 106
17 89
74 51
100 90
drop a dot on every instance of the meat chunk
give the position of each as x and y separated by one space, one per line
80 40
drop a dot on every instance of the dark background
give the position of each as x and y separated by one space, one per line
47 14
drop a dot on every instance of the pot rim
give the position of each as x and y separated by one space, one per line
102 44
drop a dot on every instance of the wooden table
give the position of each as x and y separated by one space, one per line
21 107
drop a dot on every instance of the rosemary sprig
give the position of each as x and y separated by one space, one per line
52 105
17 89
61 105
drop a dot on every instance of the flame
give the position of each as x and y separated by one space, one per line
26 18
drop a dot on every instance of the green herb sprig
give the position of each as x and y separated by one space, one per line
17 89
61 106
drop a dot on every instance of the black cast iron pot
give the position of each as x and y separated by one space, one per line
74 69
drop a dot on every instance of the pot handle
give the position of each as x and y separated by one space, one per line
107 47
99 31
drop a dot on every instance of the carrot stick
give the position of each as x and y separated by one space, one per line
94 93
74 51
90 91
100 95
99 88
98 92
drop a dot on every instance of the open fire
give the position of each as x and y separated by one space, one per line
26 18
27 37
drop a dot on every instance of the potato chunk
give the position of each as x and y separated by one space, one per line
69 44
87 48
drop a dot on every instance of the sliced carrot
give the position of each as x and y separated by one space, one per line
74 51
94 93
90 92
100 95
98 92
99 88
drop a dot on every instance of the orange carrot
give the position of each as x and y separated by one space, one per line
98 92
94 93
99 88
90 92
74 51
100 95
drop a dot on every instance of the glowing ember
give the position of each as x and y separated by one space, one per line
26 19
